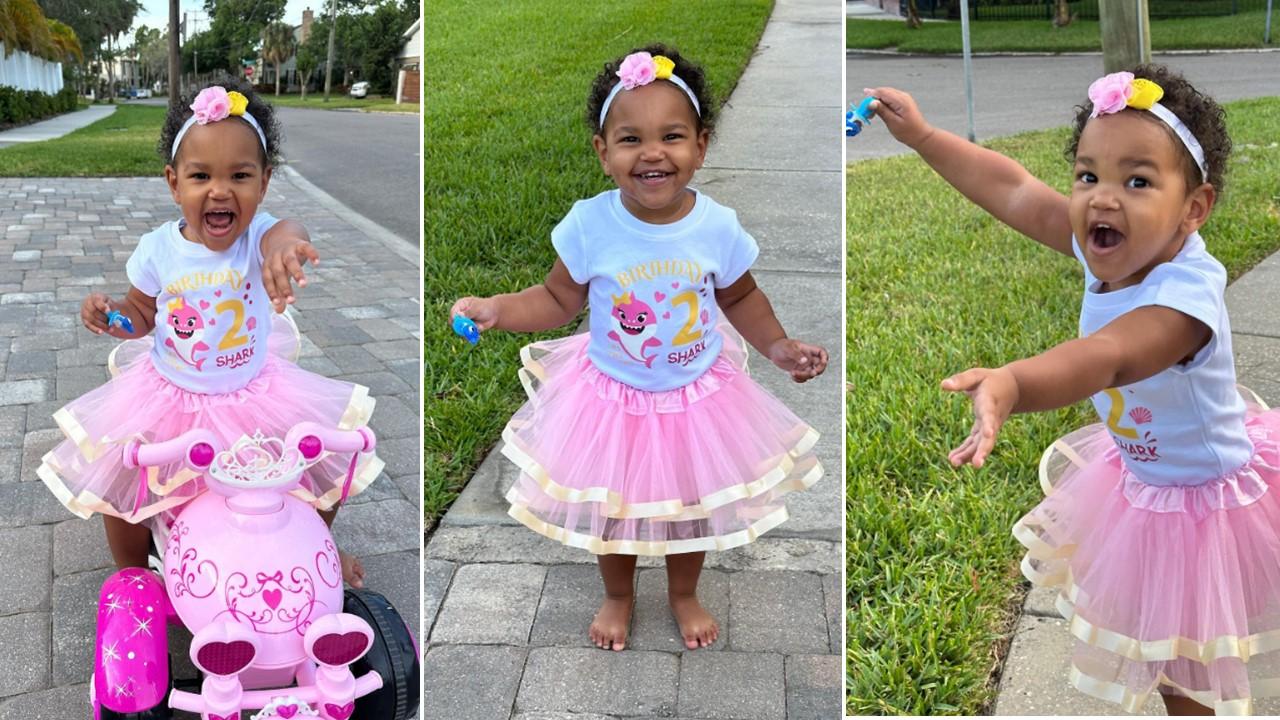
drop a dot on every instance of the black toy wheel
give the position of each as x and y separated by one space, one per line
159 712
393 656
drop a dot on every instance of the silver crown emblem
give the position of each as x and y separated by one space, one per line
257 461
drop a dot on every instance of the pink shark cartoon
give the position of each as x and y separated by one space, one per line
188 331
634 327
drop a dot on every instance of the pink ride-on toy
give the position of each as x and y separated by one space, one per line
254 573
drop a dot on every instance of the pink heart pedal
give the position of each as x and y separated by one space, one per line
335 649
225 658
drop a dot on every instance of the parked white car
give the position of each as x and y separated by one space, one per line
360 89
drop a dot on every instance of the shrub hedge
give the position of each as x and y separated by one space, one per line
18 107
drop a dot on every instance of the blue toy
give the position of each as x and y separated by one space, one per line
120 320
464 327
857 117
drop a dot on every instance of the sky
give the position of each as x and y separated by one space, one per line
155 13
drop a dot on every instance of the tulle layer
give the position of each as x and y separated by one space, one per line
1170 589
613 469
85 471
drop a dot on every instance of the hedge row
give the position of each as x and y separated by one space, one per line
18 107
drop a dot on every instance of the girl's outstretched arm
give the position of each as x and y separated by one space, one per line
555 302
139 307
286 247
994 182
748 309
1132 347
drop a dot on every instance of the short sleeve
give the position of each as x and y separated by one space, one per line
141 268
258 227
1193 291
570 243
740 256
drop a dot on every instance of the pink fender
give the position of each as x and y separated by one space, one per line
131 657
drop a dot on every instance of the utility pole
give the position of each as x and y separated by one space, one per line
175 60
333 28
1126 33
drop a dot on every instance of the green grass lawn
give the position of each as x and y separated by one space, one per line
338 101
937 286
507 154
1231 31
123 144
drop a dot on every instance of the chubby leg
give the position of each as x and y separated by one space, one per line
609 628
1181 705
697 627
352 570
129 543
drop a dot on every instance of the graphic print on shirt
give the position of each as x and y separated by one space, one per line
211 303
634 327
186 327
1139 448
665 302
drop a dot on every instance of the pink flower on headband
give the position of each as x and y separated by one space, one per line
637 69
1110 93
211 105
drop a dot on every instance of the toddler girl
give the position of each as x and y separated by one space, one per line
1158 529
207 283
645 436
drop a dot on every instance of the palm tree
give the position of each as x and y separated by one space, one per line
277 46
23 26
65 41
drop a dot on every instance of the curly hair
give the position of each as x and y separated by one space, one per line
1197 111
258 108
688 71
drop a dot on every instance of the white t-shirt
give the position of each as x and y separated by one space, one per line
652 287
212 314
1183 425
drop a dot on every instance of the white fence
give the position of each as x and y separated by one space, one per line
28 72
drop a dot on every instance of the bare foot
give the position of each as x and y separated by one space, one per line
352 570
697 627
609 628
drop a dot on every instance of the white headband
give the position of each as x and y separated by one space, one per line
641 68
1184 134
1119 90
192 121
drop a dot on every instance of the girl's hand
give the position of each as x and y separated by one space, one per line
900 115
802 360
282 265
481 311
994 394
93 313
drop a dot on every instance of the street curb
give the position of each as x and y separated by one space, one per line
393 242
854 52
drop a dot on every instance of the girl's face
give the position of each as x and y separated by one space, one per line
1130 207
218 179
650 145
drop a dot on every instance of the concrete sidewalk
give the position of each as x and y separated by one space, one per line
507 610
56 126
65 237
1034 681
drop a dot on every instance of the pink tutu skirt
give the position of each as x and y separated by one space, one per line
613 469
1169 589
85 471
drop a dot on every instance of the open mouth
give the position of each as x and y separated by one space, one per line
653 177
631 329
219 222
184 334
1103 238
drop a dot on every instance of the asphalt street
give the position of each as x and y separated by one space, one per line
368 161
1016 94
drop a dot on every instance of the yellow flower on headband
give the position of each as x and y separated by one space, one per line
1145 94
239 103
663 67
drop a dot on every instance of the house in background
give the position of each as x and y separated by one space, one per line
409 82
290 81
